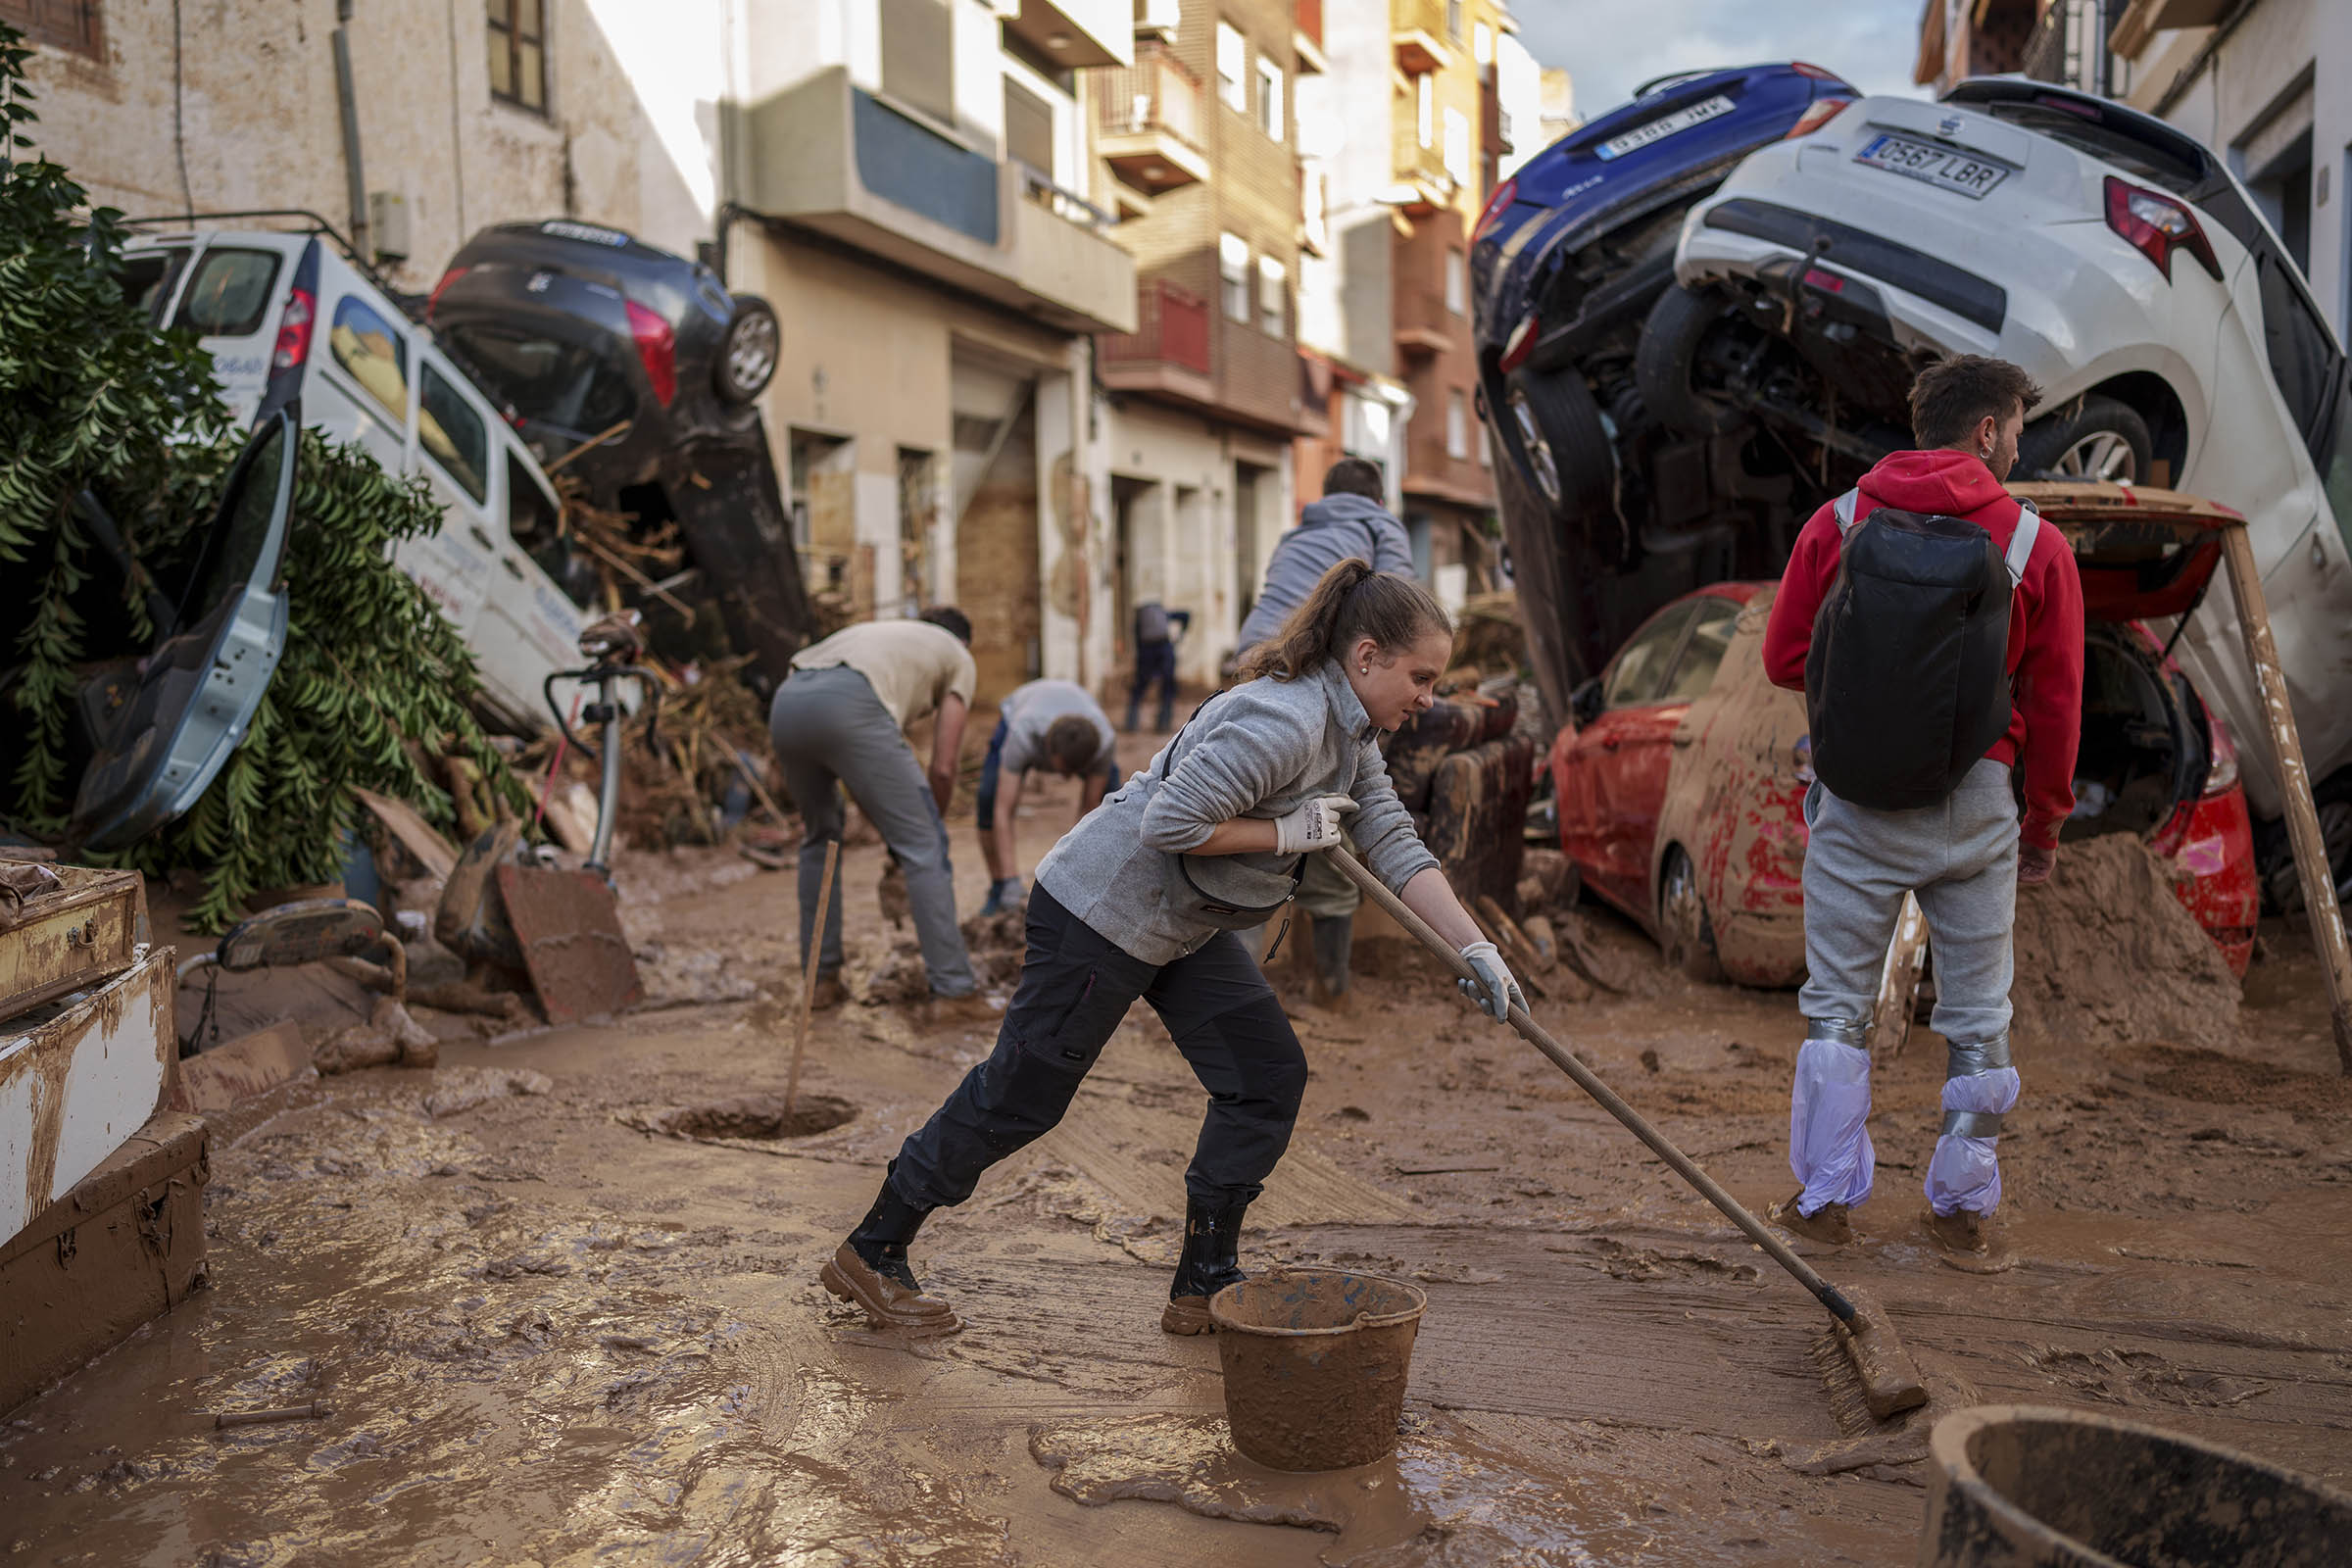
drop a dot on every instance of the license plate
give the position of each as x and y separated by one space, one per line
1657 130
1940 166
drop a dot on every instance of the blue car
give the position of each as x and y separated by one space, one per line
1608 513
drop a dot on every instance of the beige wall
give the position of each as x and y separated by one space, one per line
622 142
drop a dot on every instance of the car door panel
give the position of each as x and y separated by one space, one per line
1597 757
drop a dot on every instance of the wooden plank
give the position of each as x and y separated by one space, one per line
2294 784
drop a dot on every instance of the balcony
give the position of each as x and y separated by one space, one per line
1073 33
1307 38
1148 122
831 157
1425 33
1168 353
1424 184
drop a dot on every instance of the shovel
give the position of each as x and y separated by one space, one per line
1889 1381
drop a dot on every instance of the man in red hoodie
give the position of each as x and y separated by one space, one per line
1963 857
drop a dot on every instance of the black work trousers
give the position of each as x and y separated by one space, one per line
1076 986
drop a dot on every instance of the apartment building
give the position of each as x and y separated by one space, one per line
898 178
1197 155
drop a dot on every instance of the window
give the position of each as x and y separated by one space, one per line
918 57
1457 424
453 433
532 520
1273 295
1482 44
1269 98
1233 268
1457 283
60 24
1640 668
2302 352
229 294
519 53
566 388
374 353
1425 107
1028 129
1710 635
1232 67
1457 145
1453 19
148 275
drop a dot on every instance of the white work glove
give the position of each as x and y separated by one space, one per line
1494 991
1314 824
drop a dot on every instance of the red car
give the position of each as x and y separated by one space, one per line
1682 774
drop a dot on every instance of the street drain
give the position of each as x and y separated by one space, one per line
760 1118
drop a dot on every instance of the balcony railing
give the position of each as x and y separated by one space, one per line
1157 93
1171 327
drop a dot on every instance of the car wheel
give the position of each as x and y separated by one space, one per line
1552 429
1684 929
748 354
1665 360
2090 438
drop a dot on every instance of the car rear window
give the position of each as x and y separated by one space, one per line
375 353
1702 650
453 433
148 276
2301 349
229 294
547 381
1639 668
2127 152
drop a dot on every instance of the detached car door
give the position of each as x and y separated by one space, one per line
159 743
1596 787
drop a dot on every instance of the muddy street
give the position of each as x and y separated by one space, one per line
559 1300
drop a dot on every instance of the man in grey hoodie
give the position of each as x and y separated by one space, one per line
1350 521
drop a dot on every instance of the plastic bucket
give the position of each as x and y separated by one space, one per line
1315 1364
2026 1487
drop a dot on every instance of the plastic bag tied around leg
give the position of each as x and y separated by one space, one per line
1979 1088
1829 1118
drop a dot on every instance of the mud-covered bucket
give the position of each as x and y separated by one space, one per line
2026 1487
1315 1364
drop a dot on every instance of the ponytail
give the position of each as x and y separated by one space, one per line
1351 602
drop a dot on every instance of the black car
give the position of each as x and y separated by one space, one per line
592 337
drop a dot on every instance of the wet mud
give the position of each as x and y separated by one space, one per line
551 1331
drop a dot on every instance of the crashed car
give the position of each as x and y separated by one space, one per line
1608 513
640 370
1681 778
2122 265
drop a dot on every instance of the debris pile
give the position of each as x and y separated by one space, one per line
996 943
2107 956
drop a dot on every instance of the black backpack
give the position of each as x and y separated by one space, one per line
1906 684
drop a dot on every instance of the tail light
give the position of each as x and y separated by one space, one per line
1806 67
657 349
1520 344
2157 225
1504 194
446 279
294 330
1819 114
2222 776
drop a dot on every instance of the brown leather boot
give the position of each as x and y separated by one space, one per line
829 994
869 1270
1829 1224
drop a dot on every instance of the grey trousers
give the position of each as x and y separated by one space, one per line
1958 856
831 732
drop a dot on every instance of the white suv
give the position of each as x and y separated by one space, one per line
2113 258
290 321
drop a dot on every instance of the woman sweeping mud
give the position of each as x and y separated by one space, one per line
1143 897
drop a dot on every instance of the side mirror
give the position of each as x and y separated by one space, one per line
1584 703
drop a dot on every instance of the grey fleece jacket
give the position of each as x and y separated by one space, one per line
1256 751
1329 531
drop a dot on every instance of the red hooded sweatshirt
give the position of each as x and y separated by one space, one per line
2045 622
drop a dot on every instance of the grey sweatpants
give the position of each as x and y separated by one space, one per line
1959 857
831 732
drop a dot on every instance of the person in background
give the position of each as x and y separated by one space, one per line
1051 725
1140 900
1156 631
1350 522
840 720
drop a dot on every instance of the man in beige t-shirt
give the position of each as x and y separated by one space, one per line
838 721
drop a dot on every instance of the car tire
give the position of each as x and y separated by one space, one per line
2089 438
1665 356
749 352
1684 931
1552 430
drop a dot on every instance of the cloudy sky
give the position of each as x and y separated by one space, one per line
1610 46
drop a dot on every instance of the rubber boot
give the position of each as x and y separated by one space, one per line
1135 714
870 1271
1333 941
1212 1235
